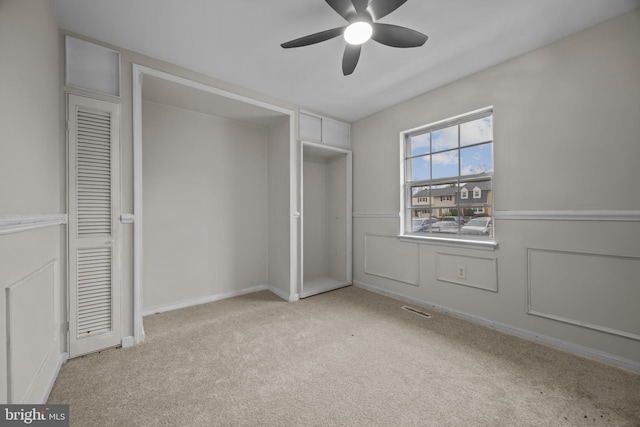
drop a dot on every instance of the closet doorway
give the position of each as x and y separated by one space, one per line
326 218
215 171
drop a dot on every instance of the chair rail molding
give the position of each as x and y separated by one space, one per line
570 215
393 215
23 222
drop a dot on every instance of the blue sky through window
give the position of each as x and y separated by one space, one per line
445 139
442 155
474 160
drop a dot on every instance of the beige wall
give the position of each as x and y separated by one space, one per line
279 230
337 222
566 138
29 111
316 217
205 206
32 182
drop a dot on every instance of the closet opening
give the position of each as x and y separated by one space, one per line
326 218
215 173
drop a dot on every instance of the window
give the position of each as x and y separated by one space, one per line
442 163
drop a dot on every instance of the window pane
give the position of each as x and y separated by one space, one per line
420 221
479 198
420 168
445 139
420 144
478 226
445 164
477 131
420 212
476 160
420 196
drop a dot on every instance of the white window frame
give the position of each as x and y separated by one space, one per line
406 186
478 192
464 194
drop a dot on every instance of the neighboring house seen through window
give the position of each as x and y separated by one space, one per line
447 180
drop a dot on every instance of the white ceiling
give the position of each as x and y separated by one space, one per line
239 41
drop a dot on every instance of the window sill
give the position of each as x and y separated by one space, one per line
488 245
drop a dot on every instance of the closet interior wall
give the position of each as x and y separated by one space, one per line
211 197
324 226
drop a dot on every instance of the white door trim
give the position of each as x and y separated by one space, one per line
139 71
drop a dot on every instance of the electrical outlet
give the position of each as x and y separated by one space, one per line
462 272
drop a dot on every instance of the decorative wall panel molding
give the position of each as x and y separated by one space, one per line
595 291
632 365
32 326
387 257
473 271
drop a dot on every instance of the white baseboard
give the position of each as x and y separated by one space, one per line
280 293
128 342
587 352
62 359
202 300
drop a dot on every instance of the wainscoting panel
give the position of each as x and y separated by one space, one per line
582 289
387 257
32 340
473 271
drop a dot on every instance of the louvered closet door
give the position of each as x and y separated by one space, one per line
94 232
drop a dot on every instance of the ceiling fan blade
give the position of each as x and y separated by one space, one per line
360 6
314 38
396 36
344 8
381 8
350 58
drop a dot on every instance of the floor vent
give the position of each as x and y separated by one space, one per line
418 312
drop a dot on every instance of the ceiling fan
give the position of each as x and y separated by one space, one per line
361 16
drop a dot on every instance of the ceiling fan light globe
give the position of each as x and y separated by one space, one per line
358 33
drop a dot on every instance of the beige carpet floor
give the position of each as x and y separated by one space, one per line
345 358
